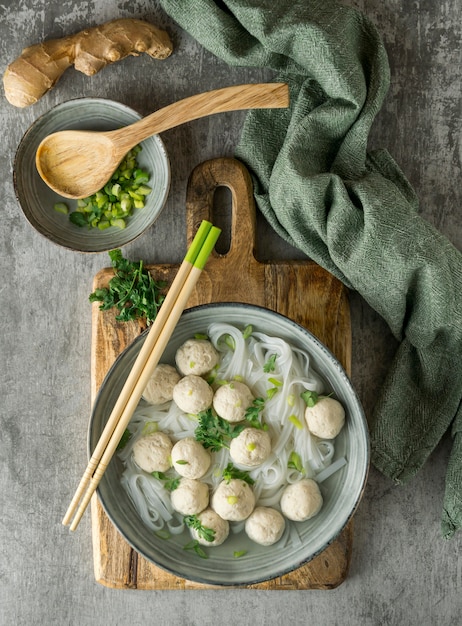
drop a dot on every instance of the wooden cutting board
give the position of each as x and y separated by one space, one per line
299 289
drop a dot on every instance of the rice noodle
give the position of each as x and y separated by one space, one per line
283 413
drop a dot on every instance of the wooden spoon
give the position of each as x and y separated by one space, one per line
78 163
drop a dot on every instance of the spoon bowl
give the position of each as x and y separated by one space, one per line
77 164
66 152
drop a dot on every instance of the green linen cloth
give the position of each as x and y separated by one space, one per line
351 211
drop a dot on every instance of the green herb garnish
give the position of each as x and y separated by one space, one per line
310 397
214 432
170 484
192 521
132 290
248 330
270 364
252 414
124 439
295 462
238 553
196 547
231 472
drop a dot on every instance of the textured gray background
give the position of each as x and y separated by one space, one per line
402 572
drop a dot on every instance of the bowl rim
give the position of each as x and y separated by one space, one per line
49 112
365 468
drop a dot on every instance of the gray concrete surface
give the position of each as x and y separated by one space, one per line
402 572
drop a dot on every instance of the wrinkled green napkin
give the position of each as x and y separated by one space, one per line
350 211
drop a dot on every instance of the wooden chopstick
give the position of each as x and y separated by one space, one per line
148 358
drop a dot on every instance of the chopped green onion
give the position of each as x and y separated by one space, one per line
295 421
115 203
295 462
149 428
232 499
271 392
238 553
229 341
291 399
275 382
248 330
61 207
162 534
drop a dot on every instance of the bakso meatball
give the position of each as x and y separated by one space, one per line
196 356
251 447
152 452
232 400
190 497
265 525
210 519
233 500
326 418
160 386
192 394
301 500
190 458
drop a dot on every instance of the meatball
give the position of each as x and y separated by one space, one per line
265 525
210 519
190 458
160 386
232 400
301 500
233 500
190 497
326 418
251 447
152 452
196 356
192 394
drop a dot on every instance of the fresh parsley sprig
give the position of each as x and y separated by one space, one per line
124 439
231 472
214 432
192 521
252 414
170 483
310 397
132 290
270 364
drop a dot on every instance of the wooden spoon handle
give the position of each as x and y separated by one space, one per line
238 97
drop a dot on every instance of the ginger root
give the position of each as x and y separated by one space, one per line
40 66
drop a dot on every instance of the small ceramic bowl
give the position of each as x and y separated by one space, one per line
37 199
341 492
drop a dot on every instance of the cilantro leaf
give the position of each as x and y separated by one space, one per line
310 397
170 484
124 439
270 364
231 472
192 521
214 432
252 414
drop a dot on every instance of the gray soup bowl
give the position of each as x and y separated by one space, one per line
342 491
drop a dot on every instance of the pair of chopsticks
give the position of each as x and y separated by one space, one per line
143 368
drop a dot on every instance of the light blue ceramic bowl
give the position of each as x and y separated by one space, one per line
37 199
341 492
